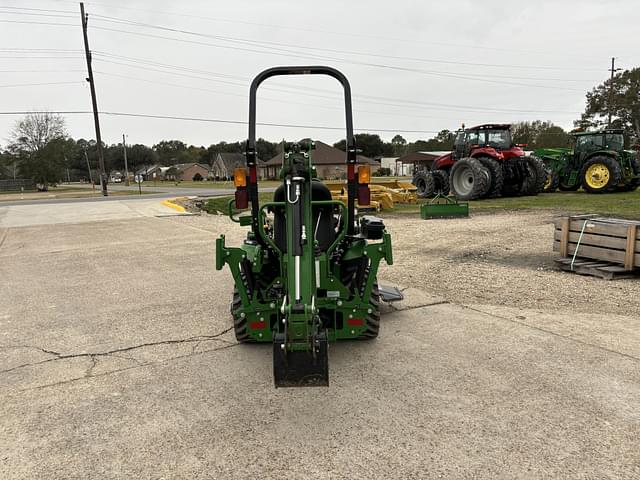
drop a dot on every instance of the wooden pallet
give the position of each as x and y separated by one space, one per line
612 240
594 268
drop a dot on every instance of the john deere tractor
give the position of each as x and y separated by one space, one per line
486 164
306 274
598 163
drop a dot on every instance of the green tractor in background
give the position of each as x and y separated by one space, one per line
306 274
598 163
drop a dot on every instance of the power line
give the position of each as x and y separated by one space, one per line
239 95
77 82
271 51
38 23
307 30
7 7
342 52
214 120
388 101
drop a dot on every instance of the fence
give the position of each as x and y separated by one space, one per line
16 185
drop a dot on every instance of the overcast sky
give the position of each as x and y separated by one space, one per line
415 67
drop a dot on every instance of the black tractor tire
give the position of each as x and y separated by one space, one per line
568 188
424 182
533 184
239 324
552 182
600 174
497 176
469 179
373 319
441 181
633 184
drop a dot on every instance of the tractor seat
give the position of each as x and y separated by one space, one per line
326 233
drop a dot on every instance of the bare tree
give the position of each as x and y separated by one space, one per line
39 146
32 133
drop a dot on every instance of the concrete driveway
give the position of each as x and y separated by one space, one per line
116 361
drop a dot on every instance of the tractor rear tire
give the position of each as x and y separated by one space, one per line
239 324
425 184
441 181
551 182
470 180
373 319
497 176
533 184
633 184
600 174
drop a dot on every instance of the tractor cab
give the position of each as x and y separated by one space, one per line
490 139
587 143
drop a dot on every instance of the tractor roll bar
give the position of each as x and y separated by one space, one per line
251 154
311 70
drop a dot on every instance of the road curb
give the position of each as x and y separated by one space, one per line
170 203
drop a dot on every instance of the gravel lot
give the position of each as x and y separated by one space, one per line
499 259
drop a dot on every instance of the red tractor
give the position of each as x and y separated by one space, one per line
486 164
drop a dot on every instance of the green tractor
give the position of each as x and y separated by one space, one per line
306 273
598 163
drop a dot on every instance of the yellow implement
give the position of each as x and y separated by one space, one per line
384 193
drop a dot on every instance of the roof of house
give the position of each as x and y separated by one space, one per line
232 160
147 169
181 167
324 154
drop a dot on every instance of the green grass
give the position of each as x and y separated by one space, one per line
203 184
221 204
617 204
625 205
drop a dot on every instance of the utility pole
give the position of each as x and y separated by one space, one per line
613 70
96 120
126 167
86 157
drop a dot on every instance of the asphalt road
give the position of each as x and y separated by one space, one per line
116 362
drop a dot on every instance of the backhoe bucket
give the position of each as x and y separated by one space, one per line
301 368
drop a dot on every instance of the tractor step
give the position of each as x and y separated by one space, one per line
301 368
390 294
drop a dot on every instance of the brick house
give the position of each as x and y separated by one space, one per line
225 163
187 172
330 163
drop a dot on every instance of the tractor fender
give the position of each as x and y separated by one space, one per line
609 153
443 162
486 152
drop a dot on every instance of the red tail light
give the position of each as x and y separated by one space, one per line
242 198
364 195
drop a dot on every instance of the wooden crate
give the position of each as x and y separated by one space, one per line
606 239
596 268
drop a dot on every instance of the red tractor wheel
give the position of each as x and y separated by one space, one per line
497 176
470 179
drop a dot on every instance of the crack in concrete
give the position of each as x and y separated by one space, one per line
549 332
119 370
94 355
432 304
3 236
